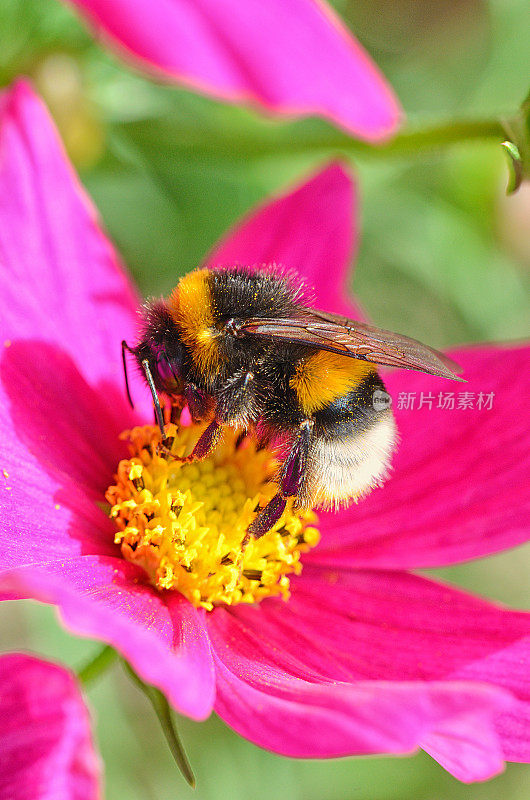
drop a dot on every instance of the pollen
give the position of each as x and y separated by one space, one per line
185 524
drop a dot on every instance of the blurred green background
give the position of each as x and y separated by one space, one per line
444 256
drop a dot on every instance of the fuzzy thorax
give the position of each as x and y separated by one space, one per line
185 524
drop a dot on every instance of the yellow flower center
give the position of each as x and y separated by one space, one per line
185 523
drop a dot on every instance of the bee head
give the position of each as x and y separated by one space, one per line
162 348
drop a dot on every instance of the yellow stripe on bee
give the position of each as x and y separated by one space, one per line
324 377
192 308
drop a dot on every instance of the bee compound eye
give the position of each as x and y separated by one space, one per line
165 370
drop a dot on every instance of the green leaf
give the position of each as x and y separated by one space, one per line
163 712
515 167
94 668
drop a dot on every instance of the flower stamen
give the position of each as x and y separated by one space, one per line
185 523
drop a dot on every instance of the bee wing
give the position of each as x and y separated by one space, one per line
348 337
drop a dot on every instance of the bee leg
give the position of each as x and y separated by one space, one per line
292 476
238 403
199 404
295 465
266 518
205 444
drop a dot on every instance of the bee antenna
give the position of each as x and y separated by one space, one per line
124 347
156 401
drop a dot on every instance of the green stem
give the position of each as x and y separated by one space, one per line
163 712
97 665
411 141
435 137
298 138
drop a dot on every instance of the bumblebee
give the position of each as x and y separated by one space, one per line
240 347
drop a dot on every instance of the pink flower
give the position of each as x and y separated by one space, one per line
287 56
365 657
46 748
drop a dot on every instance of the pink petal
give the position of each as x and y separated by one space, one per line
61 456
326 720
161 635
60 450
60 280
46 748
460 488
381 636
266 694
288 56
466 758
310 230
64 306
402 627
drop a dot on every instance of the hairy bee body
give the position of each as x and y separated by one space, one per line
318 403
240 347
